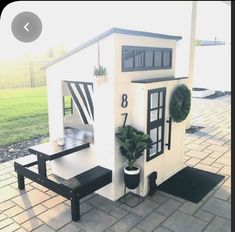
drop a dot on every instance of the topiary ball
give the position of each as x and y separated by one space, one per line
180 103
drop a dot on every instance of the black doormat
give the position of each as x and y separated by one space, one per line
191 184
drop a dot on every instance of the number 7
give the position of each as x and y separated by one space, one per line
126 114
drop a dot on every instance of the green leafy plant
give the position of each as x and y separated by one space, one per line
99 70
133 143
180 103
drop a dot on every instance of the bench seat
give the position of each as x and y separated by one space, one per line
73 189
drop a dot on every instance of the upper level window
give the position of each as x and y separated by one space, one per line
145 58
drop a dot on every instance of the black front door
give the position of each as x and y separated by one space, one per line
155 121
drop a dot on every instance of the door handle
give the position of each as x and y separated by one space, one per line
169 133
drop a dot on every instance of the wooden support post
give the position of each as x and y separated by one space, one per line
75 209
21 184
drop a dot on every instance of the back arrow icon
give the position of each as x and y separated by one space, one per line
25 27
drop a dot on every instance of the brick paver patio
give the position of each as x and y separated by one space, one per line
40 209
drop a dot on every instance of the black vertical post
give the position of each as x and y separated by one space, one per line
42 170
21 184
75 208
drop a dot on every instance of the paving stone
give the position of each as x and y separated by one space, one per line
181 222
12 227
7 182
118 213
30 199
196 147
39 187
169 196
149 223
143 209
134 230
207 168
54 201
208 161
219 224
158 197
223 160
44 228
190 207
192 162
30 213
6 205
161 229
7 193
197 154
5 176
103 203
56 217
88 197
51 193
205 216
32 224
225 170
2 216
96 220
169 207
221 149
126 223
223 193
216 165
218 207
216 154
6 170
5 223
84 207
227 183
71 227
13 211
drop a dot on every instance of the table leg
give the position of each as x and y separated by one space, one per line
42 169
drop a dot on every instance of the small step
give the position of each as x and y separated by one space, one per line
27 161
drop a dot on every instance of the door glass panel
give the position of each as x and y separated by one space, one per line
155 126
153 135
159 132
161 98
159 146
160 113
153 115
154 100
153 149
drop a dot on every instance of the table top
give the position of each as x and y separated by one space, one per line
51 151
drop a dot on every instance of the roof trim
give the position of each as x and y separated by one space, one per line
109 32
158 79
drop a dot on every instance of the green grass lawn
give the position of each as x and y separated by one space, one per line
23 114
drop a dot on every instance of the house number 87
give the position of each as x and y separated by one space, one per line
124 101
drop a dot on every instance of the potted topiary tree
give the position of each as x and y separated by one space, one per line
132 145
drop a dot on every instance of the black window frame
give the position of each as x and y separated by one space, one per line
68 110
157 123
144 68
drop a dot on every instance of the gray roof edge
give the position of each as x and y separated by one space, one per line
109 32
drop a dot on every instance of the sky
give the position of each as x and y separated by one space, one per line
71 23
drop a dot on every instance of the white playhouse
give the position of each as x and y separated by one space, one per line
136 90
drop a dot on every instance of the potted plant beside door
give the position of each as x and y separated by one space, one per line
132 145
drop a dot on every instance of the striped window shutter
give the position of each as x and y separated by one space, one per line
82 94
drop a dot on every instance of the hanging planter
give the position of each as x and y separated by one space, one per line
99 70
